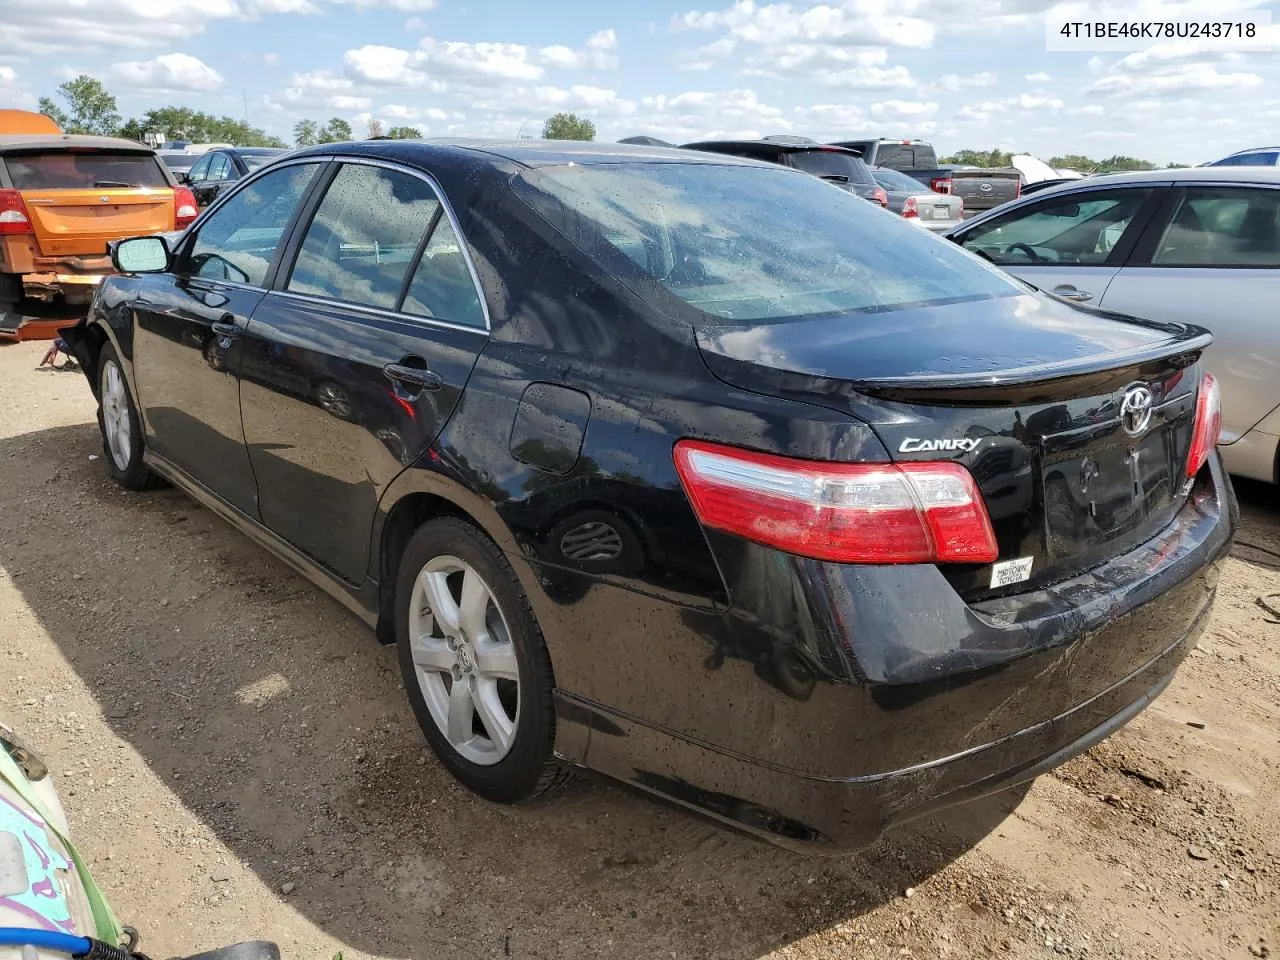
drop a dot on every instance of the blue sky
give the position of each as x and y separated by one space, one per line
963 73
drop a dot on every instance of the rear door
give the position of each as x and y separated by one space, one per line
79 198
1212 257
1069 244
356 358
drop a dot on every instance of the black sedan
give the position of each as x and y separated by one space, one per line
836 165
218 169
808 521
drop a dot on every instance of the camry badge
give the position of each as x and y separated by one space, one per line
916 445
1135 409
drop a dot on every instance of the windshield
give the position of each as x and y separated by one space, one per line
711 236
828 163
64 170
255 160
898 182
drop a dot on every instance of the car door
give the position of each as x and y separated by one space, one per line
198 173
188 327
357 357
1212 257
1070 244
215 179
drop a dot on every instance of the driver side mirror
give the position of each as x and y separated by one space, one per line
182 177
141 255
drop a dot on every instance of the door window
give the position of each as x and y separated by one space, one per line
238 242
364 236
219 167
200 170
1079 229
442 287
1222 227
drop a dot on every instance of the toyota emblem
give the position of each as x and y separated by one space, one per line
1135 410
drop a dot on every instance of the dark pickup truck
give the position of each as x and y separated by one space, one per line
979 189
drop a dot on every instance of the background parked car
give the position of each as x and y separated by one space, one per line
980 189
62 199
1190 246
1256 157
217 169
938 212
838 166
179 162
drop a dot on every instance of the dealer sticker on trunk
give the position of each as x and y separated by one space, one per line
1011 571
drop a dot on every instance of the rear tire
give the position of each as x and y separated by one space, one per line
478 674
120 426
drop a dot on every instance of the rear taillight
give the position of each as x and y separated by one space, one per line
845 512
880 196
1017 189
13 214
910 208
940 184
184 207
1208 425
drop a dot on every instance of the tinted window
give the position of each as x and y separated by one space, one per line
442 286
62 170
1082 228
219 166
238 242
712 237
253 161
898 182
1223 227
364 236
903 156
828 163
200 170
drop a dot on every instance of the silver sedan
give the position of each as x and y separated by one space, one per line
1191 246
910 198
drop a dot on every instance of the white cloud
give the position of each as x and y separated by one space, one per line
13 92
986 110
163 74
1186 79
1038 77
271 59
856 22
597 53
706 57
907 109
953 83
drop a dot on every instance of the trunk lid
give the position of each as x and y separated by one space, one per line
80 222
1024 391
984 189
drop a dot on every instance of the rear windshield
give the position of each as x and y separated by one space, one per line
255 160
898 181
712 236
828 163
905 156
64 170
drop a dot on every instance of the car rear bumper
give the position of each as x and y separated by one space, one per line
839 705
71 277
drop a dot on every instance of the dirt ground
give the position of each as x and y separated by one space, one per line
238 760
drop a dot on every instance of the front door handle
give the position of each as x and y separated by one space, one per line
1067 292
411 377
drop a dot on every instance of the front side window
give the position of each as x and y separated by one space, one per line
1222 227
238 242
200 170
1080 229
219 167
100 170
363 238
713 237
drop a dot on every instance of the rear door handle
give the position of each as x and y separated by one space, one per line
411 380
1067 292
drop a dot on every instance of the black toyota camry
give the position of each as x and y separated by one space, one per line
692 470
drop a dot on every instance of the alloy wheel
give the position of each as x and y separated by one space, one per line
115 415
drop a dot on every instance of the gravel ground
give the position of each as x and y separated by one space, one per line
238 760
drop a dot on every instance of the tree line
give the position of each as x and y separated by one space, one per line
1071 161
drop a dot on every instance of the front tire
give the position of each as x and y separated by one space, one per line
120 426
474 663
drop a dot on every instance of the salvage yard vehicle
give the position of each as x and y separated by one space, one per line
1194 245
938 212
839 167
62 199
810 522
218 169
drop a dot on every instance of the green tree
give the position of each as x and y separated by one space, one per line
375 128
336 130
183 123
133 130
1124 163
568 126
90 109
305 133
1074 161
404 133
980 158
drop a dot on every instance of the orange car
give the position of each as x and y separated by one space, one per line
62 199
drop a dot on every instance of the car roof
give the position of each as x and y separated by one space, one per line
52 141
256 151
1249 150
1180 175
777 145
527 153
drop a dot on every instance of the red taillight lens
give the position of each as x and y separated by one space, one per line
940 184
13 214
184 207
1208 426
910 208
845 512
1017 189
881 197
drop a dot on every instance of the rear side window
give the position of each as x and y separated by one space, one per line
364 236
1079 229
1265 158
1222 227
64 170
442 287
711 236
252 161
238 241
